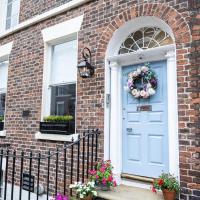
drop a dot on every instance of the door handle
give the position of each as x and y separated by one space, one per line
129 130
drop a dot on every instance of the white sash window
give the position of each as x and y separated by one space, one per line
9 14
63 78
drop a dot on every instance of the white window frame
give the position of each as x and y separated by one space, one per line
53 36
11 14
3 16
47 74
5 51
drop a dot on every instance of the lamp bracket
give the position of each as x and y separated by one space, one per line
86 53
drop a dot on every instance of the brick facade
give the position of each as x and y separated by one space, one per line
101 19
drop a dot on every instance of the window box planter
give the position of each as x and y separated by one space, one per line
1 126
63 128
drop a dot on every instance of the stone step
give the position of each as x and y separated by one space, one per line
123 192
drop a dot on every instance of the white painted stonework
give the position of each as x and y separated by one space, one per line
5 51
54 137
68 27
53 12
113 113
4 55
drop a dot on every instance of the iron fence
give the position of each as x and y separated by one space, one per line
38 176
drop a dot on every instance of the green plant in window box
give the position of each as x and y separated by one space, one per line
56 118
1 123
64 125
1 118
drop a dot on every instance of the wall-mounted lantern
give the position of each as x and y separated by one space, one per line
86 70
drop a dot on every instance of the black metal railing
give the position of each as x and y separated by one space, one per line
30 175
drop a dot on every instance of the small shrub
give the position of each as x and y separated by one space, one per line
1 118
54 118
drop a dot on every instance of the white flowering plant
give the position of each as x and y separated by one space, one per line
84 190
142 83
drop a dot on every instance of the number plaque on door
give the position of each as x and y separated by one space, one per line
144 108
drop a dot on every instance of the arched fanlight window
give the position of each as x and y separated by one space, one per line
145 38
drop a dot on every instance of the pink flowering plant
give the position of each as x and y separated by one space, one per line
59 197
103 174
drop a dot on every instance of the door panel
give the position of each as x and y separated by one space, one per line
145 133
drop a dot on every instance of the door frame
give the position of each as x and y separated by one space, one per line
113 110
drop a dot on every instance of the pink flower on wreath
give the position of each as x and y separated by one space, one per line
104 181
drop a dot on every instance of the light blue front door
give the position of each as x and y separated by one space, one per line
145 133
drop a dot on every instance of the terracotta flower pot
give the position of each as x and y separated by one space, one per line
169 195
89 197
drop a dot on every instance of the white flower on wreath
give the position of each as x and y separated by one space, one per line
151 91
138 70
137 94
143 93
148 85
146 95
134 92
135 74
144 69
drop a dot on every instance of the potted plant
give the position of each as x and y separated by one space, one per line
168 184
84 191
103 175
64 125
1 123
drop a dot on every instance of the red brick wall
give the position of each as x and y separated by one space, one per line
101 19
30 8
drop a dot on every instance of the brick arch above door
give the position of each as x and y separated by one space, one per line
169 15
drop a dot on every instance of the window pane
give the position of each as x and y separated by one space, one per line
144 38
2 104
3 76
8 23
63 100
12 16
9 10
60 107
64 63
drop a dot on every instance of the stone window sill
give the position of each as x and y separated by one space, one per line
3 133
54 137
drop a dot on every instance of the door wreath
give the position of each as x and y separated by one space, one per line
142 82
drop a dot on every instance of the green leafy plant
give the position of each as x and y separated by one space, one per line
84 190
166 181
55 118
103 174
1 118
